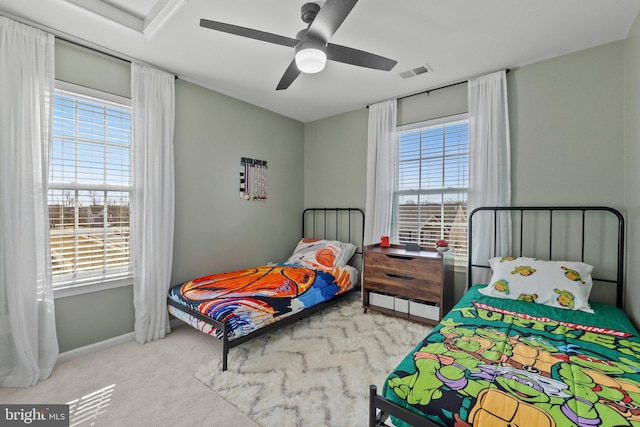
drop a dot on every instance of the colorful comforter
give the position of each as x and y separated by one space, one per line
495 362
252 298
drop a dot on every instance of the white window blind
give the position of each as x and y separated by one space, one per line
430 200
89 188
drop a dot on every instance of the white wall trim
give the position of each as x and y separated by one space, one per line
94 348
69 291
105 345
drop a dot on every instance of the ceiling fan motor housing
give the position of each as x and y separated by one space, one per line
309 12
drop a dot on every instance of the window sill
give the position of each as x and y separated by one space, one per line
86 288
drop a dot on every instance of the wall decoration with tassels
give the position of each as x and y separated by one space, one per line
253 179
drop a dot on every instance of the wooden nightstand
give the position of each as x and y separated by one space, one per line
415 285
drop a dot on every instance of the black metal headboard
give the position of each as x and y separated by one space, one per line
554 220
344 224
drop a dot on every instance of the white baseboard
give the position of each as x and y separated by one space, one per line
95 347
104 345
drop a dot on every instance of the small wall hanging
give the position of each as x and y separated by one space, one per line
253 179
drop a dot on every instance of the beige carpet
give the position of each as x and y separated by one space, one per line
133 385
317 371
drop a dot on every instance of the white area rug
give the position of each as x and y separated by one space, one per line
317 371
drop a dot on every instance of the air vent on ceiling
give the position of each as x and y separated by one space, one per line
416 71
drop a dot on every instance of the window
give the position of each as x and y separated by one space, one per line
89 186
430 200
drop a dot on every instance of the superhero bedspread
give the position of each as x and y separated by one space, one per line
252 298
499 362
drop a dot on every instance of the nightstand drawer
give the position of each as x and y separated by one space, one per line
406 287
407 263
424 269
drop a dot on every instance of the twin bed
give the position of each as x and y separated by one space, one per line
529 348
241 305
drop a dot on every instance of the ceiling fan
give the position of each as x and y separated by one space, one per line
311 44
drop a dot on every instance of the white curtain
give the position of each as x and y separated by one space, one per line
28 342
381 155
489 166
153 96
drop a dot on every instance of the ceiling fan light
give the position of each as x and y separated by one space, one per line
311 60
311 57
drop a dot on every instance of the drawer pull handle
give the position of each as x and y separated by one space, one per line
399 276
408 258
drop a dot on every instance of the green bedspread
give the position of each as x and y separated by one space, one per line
496 362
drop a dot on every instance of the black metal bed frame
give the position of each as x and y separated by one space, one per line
388 408
353 235
619 279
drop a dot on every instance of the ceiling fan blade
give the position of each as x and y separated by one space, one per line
249 32
289 76
360 58
329 19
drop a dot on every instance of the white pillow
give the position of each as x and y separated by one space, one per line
562 284
319 253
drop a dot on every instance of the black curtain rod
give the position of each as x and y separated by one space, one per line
103 52
94 49
438 88
74 40
441 87
428 91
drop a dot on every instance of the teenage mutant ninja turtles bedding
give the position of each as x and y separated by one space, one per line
498 362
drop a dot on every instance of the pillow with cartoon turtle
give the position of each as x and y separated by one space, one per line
562 284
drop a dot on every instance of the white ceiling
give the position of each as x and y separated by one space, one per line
456 39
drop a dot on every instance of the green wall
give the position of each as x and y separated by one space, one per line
335 161
93 317
567 132
566 122
632 167
335 166
85 67
445 102
214 230
575 140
